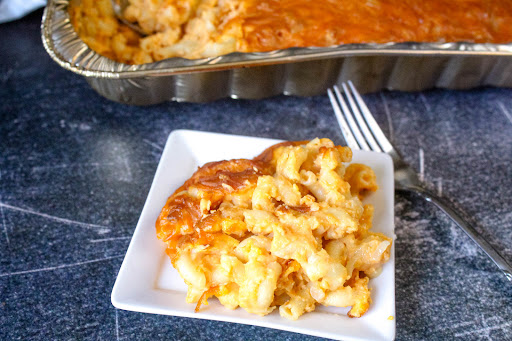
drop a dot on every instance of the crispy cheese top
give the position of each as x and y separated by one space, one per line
209 28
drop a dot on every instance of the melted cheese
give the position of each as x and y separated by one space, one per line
259 235
208 28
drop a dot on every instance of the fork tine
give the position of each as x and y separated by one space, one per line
362 124
374 126
351 123
345 130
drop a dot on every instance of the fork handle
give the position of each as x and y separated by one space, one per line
447 207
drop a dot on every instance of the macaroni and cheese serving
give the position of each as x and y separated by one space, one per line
209 28
286 230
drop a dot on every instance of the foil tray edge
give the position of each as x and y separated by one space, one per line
296 71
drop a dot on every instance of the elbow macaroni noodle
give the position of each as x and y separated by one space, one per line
286 230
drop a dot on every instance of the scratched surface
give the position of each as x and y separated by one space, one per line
75 170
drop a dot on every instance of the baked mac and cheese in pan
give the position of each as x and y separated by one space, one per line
208 28
286 230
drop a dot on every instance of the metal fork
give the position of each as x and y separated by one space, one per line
361 131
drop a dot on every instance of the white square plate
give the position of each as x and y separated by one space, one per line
148 283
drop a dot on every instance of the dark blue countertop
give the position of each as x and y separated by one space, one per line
75 170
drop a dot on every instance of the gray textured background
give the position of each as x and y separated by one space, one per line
75 170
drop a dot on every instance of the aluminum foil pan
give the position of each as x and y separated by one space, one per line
294 71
